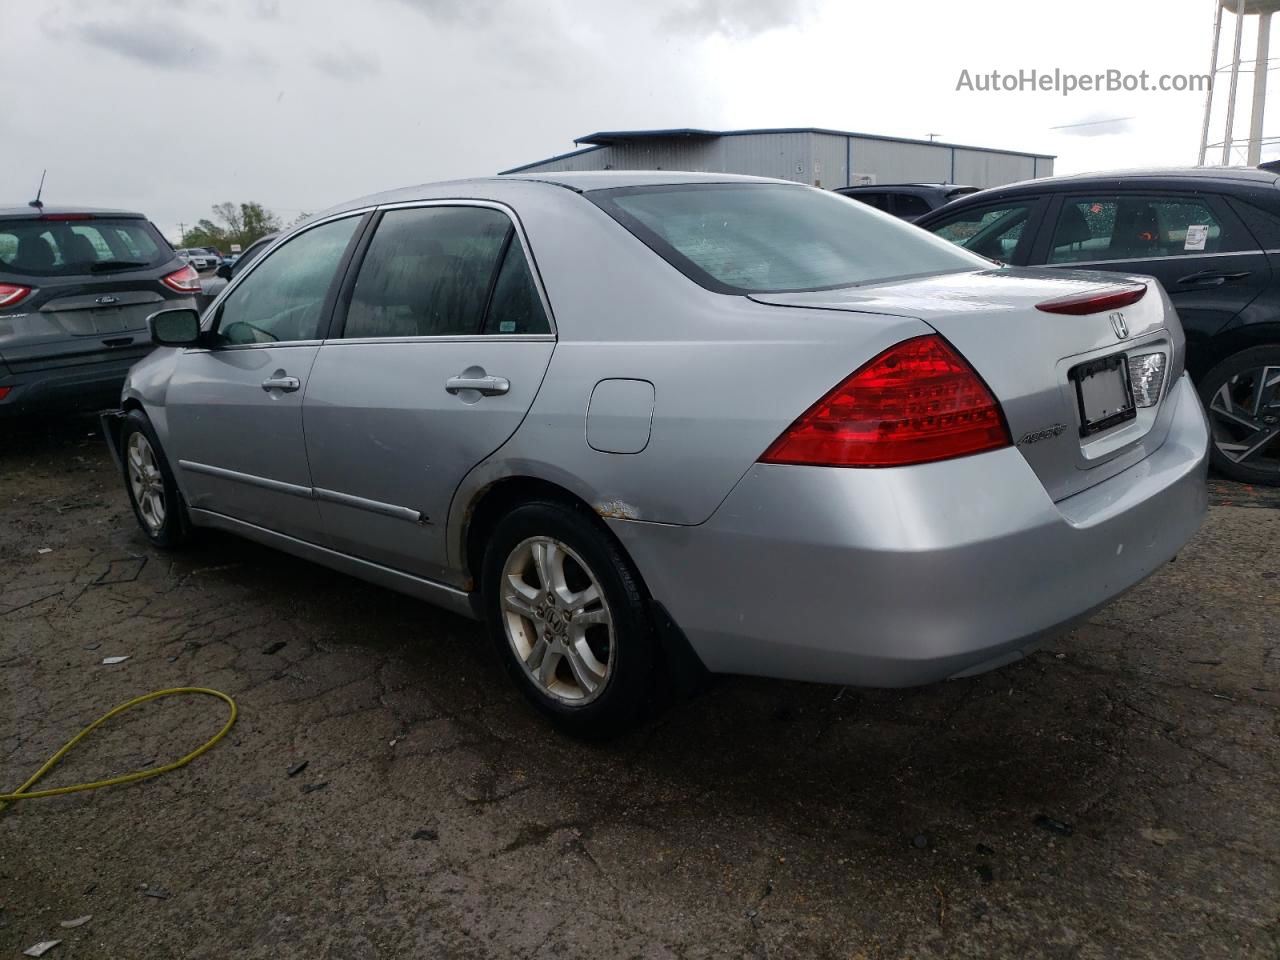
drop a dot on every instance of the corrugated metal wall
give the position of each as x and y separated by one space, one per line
895 162
984 169
820 159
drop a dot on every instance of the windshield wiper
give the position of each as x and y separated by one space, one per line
104 265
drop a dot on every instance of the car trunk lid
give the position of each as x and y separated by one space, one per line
1033 359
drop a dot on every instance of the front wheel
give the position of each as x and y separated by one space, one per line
153 493
1242 397
568 617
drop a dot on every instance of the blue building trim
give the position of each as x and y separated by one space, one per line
561 156
606 137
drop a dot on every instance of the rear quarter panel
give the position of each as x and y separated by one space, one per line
729 374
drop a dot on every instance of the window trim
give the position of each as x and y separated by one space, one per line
212 315
515 230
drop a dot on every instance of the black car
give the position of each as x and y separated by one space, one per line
1211 236
76 288
909 201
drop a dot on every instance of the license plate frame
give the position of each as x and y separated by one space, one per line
1117 407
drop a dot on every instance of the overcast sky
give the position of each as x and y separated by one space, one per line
169 106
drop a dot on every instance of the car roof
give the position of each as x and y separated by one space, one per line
1173 177
580 182
28 212
608 179
872 187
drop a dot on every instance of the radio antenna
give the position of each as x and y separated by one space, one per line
37 202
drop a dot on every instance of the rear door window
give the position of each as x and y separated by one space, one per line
65 248
1138 227
910 205
878 200
442 271
515 306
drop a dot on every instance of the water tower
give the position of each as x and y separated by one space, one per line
1262 9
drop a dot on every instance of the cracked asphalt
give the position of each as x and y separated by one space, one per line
436 816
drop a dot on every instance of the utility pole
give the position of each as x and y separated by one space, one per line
182 228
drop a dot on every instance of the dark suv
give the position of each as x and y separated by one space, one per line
76 288
909 201
1211 236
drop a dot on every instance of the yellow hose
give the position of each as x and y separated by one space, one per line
24 792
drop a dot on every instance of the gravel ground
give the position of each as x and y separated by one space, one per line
437 817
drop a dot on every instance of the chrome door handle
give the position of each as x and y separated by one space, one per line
287 384
489 386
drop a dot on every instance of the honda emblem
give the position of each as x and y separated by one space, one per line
1118 325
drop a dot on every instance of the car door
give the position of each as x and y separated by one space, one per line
235 410
440 344
1193 243
1002 230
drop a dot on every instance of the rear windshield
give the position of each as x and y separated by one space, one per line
63 248
777 238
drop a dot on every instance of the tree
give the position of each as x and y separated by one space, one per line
236 223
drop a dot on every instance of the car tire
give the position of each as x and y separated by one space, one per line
157 503
569 619
1228 392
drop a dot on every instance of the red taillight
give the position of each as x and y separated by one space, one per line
4 392
67 216
185 280
11 294
1096 301
916 402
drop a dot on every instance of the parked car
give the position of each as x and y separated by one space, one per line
1210 235
907 201
660 422
76 287
199 258
227 270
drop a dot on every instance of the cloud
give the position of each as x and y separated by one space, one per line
347 65
738 19
160 44
452 12
1095 125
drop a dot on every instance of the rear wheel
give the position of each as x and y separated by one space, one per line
1242 398
568 618
153 493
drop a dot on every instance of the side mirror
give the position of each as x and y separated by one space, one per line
223 271
178 327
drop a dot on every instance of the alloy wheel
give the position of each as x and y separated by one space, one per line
146 481
557 620
1245 414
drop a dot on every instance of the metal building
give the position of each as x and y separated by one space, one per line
822 158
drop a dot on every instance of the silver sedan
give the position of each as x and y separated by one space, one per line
650 425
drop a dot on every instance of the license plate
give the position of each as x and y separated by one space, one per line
1103 393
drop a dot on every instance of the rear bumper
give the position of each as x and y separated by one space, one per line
906 576
63 389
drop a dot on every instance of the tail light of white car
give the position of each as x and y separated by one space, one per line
185 280
917 402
